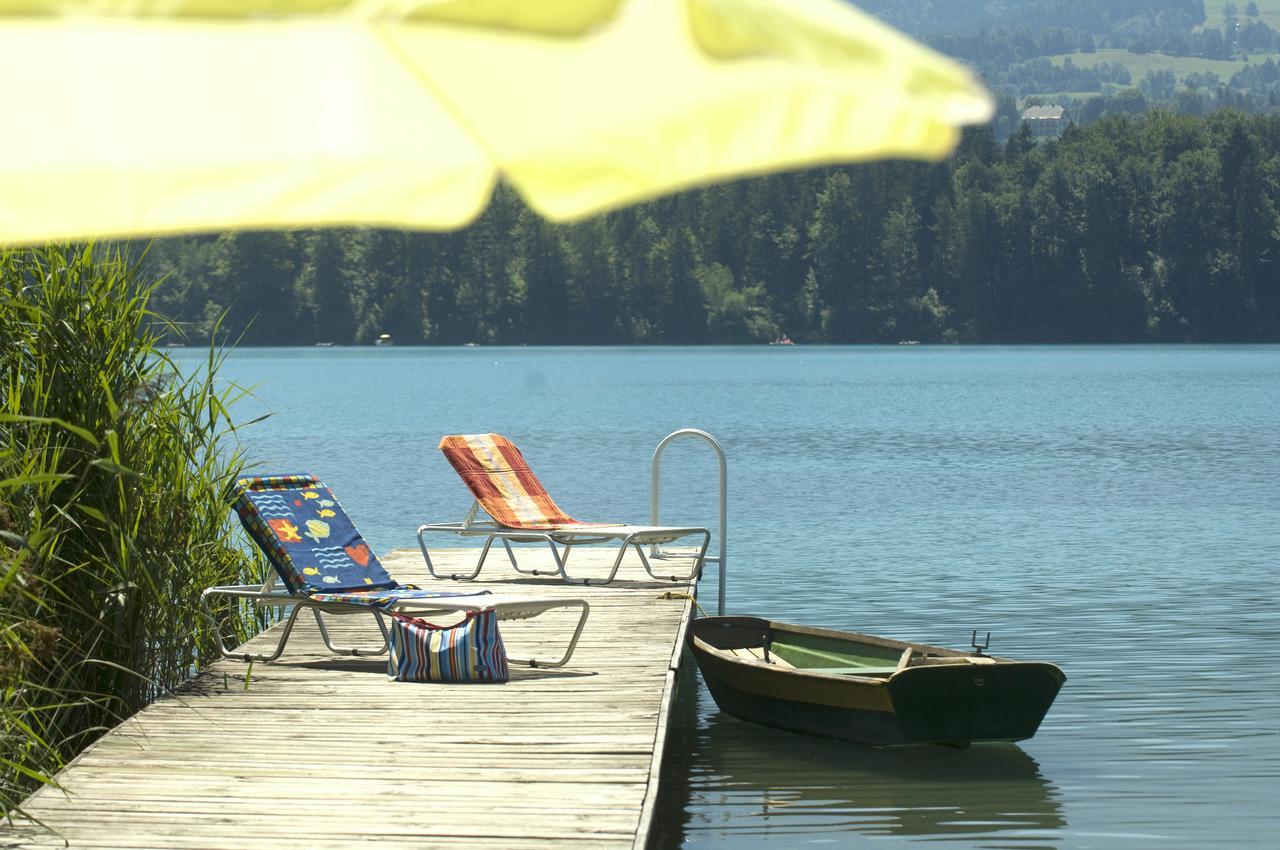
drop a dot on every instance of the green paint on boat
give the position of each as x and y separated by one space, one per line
815 652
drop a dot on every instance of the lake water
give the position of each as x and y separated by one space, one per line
1114 510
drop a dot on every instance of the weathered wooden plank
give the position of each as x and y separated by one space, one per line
650 802
42 840
315 743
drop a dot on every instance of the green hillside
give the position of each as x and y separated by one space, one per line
1021 49
1140 65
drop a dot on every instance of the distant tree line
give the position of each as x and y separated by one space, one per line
1094 17
994 34
1029 70
1041 75
1254 89
1158 227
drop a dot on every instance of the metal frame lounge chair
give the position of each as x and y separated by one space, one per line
520 510
321 562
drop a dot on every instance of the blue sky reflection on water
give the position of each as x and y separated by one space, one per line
1112 509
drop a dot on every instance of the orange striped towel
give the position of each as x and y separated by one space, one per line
496 474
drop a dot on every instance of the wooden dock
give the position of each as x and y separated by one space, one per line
321 751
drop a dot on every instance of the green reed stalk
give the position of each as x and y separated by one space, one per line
112 466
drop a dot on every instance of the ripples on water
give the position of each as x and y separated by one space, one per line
1110 509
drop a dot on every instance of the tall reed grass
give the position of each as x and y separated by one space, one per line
111 523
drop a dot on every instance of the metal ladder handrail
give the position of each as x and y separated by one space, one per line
655 492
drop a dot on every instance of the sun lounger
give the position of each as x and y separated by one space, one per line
519 510
320 562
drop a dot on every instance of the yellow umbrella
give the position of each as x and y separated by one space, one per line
140 117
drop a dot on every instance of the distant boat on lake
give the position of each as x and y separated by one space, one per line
782 339
384 339
324 345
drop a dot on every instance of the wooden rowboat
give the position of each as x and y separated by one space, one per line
868 689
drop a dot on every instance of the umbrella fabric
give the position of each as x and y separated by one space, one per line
161 116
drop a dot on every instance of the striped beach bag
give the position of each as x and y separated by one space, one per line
469 651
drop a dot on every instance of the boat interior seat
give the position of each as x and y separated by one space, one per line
932 661
911 662
856 671
755 653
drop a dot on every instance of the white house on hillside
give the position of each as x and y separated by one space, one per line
1046 122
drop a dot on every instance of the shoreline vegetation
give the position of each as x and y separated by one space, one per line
1156 228
112 466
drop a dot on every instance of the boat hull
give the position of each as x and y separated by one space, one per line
754 696
954 704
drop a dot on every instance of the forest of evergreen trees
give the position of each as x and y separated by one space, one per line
1157 227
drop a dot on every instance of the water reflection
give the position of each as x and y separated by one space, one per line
729 781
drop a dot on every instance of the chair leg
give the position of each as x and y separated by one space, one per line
568 579
560 561
630 541
351 650
511 556
484 555
613 572
617 563
644 560
697 561
285 631
431 567
573 642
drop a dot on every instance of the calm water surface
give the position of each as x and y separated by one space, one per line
1110 509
